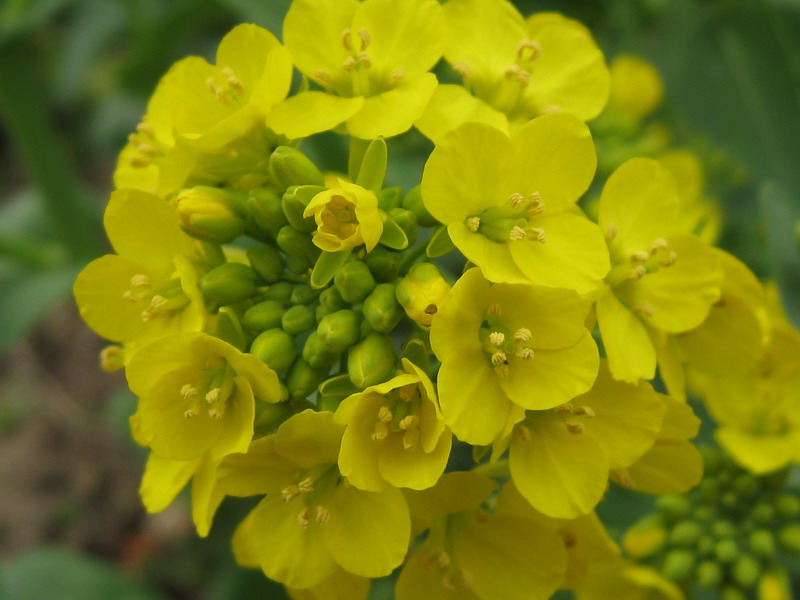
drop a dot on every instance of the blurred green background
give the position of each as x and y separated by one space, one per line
75 76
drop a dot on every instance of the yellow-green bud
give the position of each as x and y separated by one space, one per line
789 538
705 545
354 281
264 315
787 506
265 212
646 537
270 416
762 543
763 513
288 166
384 264
229 283
709 574
280 292
723 529
730 592
298 319
276 348
332 391
678 565
726 551
301 253
745 485
303 294
303 379
318 354
407 221
389 198
413 202
381 309
746 571
294 203
371 361
339 330
685 533
421 291
208 214
266 262
332 298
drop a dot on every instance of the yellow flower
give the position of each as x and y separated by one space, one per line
421 292
149 288
507 346
514 70
370 57
471 555
312 523
509 204
560 459
347 216
196 395
394 434
661 278
625 580
636 86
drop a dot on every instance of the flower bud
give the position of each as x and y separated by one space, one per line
339 330
332 391
678 565
787 506
685 533
208 214
371 361
303 294
298 319
413 202
267 262
318 354
407 221
726 551
746 571
745 485
384 264
730 592
112 358
763 513
354 281
381 309
705 545
389 198
789 538
276 348
645 538
229 283
294 202
762 543
301 254
421 291
303 379
264 315
280 292
723 529
265 212
269 416
288 166
709 574
331 298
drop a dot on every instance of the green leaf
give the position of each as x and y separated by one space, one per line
393 235
373 166
61 574
439 244
326 266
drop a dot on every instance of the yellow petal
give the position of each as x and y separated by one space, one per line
309 439
237 431
414 469
462 311
311 112
163 480
419 581
206 496
358 458
339 586
669 467
244 50
630 353
455 492
495 260
260 471
451 106
759 454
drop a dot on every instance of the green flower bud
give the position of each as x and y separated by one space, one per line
270 416
729 500
318 354
280 292
332 391
704 513
208 214
678 565
303 379
339 330
745 485
685 533
723 529
413 202
301 253
384 264
705 545
730 592
229 283
294 203
709 574
673 507
371 361
726 551
267 262
381 309
332 299
746 571
646 537
265 212
407 221
421 291
298 319
787 506
789 538
762 543
389 198
303 294
763 513
354 281
274 347
264 315
323 311
288 166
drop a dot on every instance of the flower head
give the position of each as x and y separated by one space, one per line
347 216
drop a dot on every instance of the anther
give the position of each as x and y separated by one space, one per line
494 309
638 273
564 409
524 433
611 232
574 428
158 301
290 492
516 199
409 422
323 514
139 162
380 432
525 353
146 149
146 129
501 370
645 309
140 281
462 69
131 297
443 560
217 411
670 260
191 412
499 358
473 223
323 77
385 415
640 256
449 581
538 233
349 63
396 77
523 334
517 233
524 45
586 411
411 439
345 38
518 73
624 479
213 395
188 391
497 338
304 518
366 38
659 244
364 59
306 485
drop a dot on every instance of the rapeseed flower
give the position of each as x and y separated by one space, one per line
347 216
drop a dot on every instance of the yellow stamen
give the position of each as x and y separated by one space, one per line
146 129
443 560
659 244
380 432
585 411
670 260
462 69
564 409
385 415
528 49
409 422
346 39
364 59
396 77
411 439
574 428
323 514
497 338
538 233
494 309
611 232
140 281
290 492
188 391
518 73
516 199
306 485
473 223
638 273
499 358
523 334
525 353
523 432
640 256
366 38
517 233
349 63
304 518
501 370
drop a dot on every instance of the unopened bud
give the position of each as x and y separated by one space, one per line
318 354
678 565
208 214
674 507
746 571
229 283
726 551
789 538
762 543
787 506
381 309
112 358
298 319
301 253
269 416
371 361
294 203
685 533
645 538
421 292
709 574
339 330
390 198
279 292
303 294
354 281
275 348
288 166
407 221
262 316
265 212
413 202
267 262
384 264
303 379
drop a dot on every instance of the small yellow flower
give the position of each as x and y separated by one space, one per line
347 216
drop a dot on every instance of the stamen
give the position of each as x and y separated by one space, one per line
530 45
366 38
564 409
188 391
538 233
638 273
306 485
217 411
146 149
449 581
499 358
213 395
304 518
462 69
364 59
501 370
640 256
670 260
409 422
323 514
140 281
139 162
158 301
611 232
323 77
396 77
645 309
624 479
515 199
349 63
380 432
497 338
494 309
523 334
524 433
146 129
659 244
518 73
574 428
473 223
411 439
585 411
346 39
191 412
385 415
443 560
131 297
525 353
290 492
517 233
551 109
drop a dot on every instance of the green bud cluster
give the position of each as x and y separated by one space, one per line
725 534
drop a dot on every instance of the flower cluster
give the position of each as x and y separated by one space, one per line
297 336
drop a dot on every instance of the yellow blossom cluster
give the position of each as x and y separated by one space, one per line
295 336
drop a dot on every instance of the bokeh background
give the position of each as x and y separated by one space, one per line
75 76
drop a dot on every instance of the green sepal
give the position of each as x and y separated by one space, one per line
415 351
393 235
390 198
373 166
294 202
326 266
229 329
355 156
439 244
479 452
332 391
